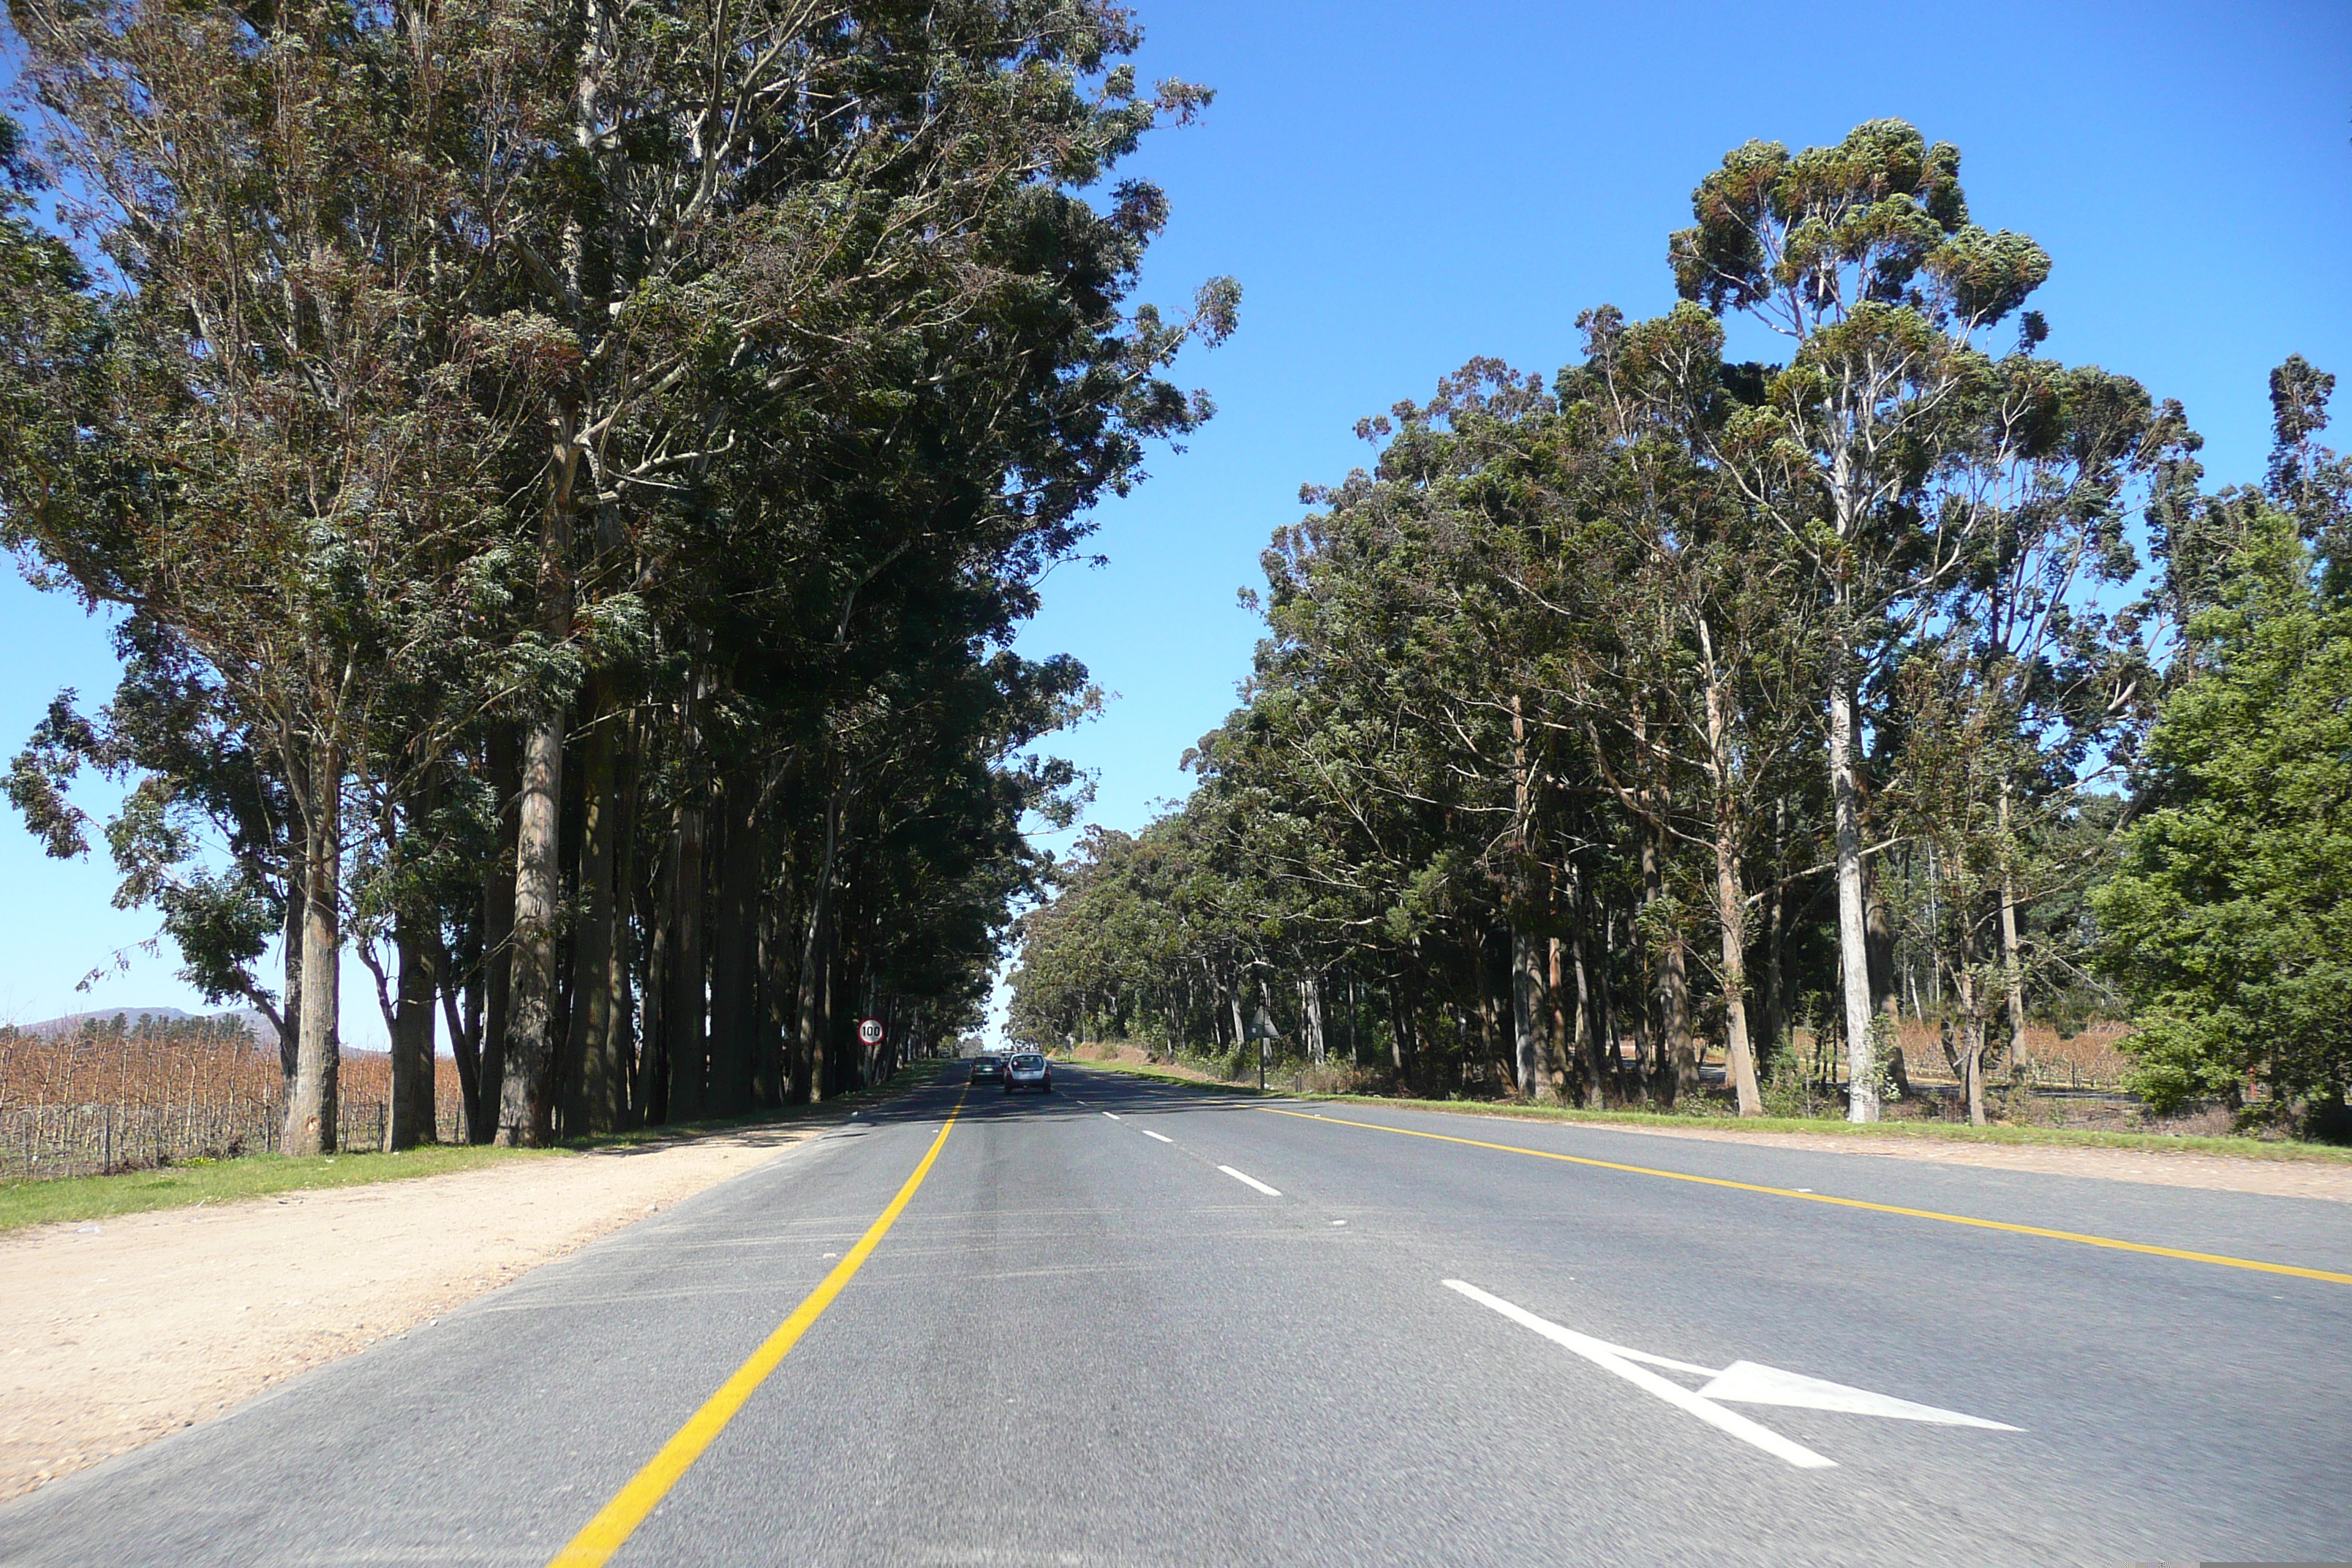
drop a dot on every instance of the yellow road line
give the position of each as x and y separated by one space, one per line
2077 1237
604 1533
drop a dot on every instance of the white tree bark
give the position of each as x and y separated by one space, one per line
1854 942
1526 1010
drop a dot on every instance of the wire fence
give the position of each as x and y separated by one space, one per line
44 1142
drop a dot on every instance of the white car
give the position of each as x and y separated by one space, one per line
1028 1070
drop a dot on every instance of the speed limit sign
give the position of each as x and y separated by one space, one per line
870 1031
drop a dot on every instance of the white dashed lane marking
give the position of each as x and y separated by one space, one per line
1249 1181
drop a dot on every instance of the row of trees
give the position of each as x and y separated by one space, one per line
566 479
1683 699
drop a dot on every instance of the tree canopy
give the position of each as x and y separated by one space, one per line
567 480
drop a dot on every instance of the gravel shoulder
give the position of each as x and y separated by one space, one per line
115 1333
2212 1172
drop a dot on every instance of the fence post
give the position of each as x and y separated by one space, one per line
106 1164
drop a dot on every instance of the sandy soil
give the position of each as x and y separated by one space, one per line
113 1334
2215 1172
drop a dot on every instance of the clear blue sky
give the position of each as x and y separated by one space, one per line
1400 187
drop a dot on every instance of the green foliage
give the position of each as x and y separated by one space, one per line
2229 918
1552 690
704 392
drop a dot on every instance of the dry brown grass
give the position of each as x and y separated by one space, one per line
109 1098
177 1061
2093 1059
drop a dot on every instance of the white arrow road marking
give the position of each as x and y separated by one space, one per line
1743 1383
1612 1358
1751 1383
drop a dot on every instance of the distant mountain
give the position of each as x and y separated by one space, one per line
255 1023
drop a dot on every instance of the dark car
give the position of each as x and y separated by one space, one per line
1028 1070
988 1069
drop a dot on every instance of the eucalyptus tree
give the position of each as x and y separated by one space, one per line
302 434
1718 633
1863 257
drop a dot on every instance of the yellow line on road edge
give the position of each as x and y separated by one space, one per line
605 1533
2077 1237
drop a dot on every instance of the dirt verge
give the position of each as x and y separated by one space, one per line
114 1334
2329 1180
2214 1173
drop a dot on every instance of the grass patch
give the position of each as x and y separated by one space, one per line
224 1180
2061 1137
260 1175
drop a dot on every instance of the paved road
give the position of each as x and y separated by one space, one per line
1088 1341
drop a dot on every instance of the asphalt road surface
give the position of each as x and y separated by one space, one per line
1130 1324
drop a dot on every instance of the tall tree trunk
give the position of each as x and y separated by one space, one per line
2012 966
461 1015
1774 1025
1527 975
526 1101
1403 1048
1972 1042
1612 1047
1854 940
734 959
1731 914
1730 905
809 1044
831 980
1587 1033
1678 1051
1527 1009
771 1075
505 762
652 1054
1565 1065
623 1040
1310 1009
412 1118
685 1014
593 1075
289 1038
310 1108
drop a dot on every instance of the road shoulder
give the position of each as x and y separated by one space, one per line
115 1333
2272 1172
2331 1181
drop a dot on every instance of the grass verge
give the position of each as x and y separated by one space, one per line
260 1175
2053 1136
223 1181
